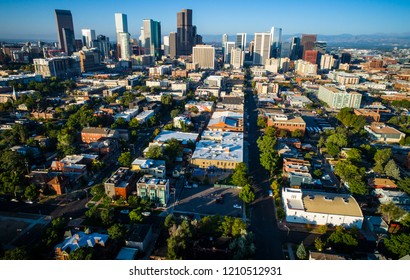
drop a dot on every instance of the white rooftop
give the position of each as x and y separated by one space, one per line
218 145
184 137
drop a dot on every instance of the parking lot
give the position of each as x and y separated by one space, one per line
17 229
210 201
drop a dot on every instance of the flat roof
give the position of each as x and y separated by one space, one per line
381 128
219 145
331 203
180 136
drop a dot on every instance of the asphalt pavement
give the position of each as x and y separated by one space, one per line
263 219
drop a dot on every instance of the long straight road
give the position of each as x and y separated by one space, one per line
263 220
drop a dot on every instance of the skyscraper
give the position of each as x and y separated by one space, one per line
121 23
307 43
285 49
104 46
166 45
228 49
237 58
173 44
295 48
320 46
225 38
152 38
123 37
185 32
88 37
262 48
65 31
204 56
276 41
241 41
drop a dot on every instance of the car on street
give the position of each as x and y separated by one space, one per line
237 206
146 214
125 211
270 193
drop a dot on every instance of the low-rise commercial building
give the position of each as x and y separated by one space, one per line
152 167
288 123
222 150
321 208
381 132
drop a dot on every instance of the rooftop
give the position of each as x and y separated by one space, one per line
331 203
381 128
120 178
184 137
217 145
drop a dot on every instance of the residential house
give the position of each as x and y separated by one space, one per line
59 184
93 134
139 237
120 184
157 190
152 167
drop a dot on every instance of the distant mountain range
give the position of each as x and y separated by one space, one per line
377 40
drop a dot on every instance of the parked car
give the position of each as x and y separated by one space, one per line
270 193
237 206
125 211
146 214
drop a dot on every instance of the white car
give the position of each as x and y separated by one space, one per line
237 206
146 214
194 185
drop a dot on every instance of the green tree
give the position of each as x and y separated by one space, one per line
136 216
174 113
319 244
232 227
243 247
169 221
391 212
125 159
154 152
404 185
18 253
180 241
353 175
335 142
173 149
275 188
268 155
262 122
297 133
97 190
354 155
166 99
247 195
134 123
342 240
168 126
117 231
283 133
381 157
194 110
31 192
301 252
398 244
391 169
240 175
317 173
120 123
82 253
107 216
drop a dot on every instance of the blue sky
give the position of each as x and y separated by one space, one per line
34 19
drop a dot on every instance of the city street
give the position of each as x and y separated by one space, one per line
263 220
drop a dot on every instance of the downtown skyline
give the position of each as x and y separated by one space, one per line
319 17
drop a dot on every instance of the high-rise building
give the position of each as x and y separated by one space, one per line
320 46
173 44
285 50
228 47
272 65
241 40
166 45
327 62
225 38
295 48
307 43
88 37
345 57
204 56
311 56
121 23
338 99
151 43
262 48
123 37
103 44
276 42
123 45
64 67
185 32
65 31
237 58
305 68
284 64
